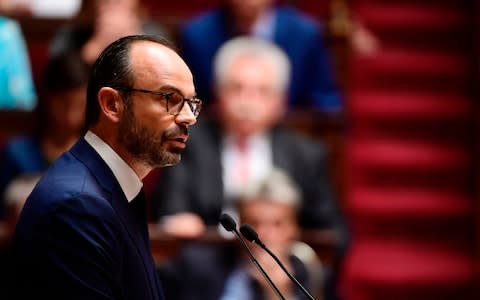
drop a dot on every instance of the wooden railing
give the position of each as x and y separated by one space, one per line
163 247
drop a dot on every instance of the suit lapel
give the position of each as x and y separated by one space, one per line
281 31
281 155
105 178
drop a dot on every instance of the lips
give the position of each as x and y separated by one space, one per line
179 141
181 138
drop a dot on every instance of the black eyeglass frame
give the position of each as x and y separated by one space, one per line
191 102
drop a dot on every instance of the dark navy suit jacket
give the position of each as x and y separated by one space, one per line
312 81
79 238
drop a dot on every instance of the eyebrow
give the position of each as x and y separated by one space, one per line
173 89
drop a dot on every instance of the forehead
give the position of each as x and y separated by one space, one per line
246 65
256 208
155 65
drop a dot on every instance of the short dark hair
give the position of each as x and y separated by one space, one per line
112 68
65 71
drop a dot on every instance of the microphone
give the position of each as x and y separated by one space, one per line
230 225
250 234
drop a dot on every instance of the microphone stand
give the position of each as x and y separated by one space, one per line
229 224
259 268
250 234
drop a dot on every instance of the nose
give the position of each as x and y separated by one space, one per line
186 116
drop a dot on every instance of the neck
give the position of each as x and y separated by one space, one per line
140 168
60 140
244 22
240 139
54 145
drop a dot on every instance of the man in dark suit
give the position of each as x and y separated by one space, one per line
83 233
242 142
301 37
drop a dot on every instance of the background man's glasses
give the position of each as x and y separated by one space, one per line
175 101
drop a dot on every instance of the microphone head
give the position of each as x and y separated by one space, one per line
249 233
228 222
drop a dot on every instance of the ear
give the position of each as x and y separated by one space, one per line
111 104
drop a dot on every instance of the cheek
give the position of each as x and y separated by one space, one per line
57 114
77 112
278 239
227 105
164 124
154 118
272 103
75 118
160 127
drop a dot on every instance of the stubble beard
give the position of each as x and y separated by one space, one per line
147 147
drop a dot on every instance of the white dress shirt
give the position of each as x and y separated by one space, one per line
126 177
259 162
264 26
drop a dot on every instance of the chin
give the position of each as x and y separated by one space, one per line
173 159
166 164
168 158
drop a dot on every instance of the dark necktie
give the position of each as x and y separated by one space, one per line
139 207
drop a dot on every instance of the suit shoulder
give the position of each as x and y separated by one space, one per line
302 23
293 135
203 23
67 180
299 141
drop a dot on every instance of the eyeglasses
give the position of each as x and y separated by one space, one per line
175 101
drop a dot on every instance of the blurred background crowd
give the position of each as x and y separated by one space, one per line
344 131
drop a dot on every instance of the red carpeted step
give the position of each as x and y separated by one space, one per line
414 70
403 202
407 155
407 62
409 158
413 17
405 105
383 269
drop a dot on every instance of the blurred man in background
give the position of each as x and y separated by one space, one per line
241 142
60 116
270 207
312 80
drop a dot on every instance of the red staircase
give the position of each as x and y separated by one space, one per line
410 160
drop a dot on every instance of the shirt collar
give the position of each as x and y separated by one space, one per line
264 26
251 142
126 177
